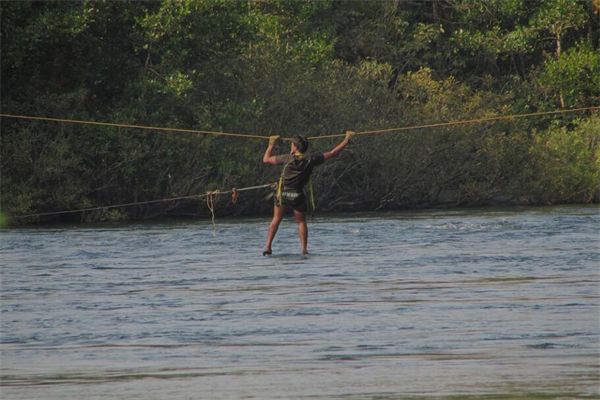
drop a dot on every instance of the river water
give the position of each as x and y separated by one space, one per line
500 303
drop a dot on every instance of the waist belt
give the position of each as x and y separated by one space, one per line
290 195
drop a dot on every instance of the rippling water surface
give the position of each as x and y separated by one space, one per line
434 304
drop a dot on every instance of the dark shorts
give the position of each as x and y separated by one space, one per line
293 200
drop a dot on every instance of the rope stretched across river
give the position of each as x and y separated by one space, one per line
210 195
461 122
131 126
263 137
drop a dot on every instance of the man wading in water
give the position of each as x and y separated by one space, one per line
294 177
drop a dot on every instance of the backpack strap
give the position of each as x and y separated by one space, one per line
280 183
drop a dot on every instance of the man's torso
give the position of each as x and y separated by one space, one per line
297 170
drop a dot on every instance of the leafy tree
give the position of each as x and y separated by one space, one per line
566 163
575 74
558 17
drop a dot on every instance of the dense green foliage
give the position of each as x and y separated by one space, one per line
288 67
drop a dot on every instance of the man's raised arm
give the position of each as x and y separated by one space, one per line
338 149
269 158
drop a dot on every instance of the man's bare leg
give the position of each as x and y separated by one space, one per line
277 217
302 231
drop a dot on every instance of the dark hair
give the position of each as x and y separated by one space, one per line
301 143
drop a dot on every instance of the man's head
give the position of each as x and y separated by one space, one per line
300 142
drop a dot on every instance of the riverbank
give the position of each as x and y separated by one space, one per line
228 212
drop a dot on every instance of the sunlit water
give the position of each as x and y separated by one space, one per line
468 303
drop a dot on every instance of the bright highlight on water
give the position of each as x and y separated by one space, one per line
467 303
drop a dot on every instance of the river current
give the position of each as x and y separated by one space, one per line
432 304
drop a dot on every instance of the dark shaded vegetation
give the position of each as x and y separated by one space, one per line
289 67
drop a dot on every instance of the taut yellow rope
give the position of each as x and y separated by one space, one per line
460 122
252 136
145 127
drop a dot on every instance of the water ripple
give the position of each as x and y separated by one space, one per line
500 303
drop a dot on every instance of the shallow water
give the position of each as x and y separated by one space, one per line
468 303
